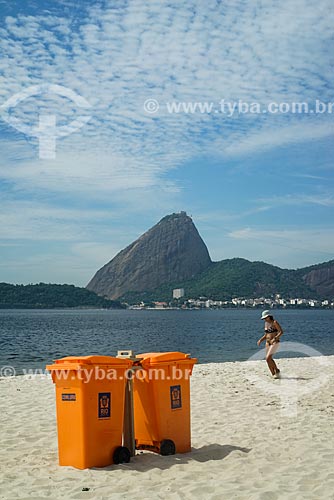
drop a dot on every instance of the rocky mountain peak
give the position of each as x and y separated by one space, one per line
169 252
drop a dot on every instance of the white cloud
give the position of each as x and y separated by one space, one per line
116 55
271 137
306 240
119 57
109 177
22 220
321 199
211 218
286 248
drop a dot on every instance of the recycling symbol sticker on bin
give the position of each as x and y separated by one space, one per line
175 397
104 404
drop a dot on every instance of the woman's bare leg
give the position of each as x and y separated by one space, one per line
270 361
271 364
269 358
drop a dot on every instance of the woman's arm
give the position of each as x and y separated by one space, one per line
279 330
261 339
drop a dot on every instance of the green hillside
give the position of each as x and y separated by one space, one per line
46 296
235 278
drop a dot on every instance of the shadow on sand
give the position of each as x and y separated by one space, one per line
295 378
145 461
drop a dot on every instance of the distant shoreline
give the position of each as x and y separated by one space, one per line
205 309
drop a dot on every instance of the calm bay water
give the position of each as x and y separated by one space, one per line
30 339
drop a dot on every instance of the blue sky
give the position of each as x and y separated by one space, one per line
259 186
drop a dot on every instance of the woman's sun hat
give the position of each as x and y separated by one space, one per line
265 314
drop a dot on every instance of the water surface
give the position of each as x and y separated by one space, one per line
33 338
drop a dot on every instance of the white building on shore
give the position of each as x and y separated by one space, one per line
178 293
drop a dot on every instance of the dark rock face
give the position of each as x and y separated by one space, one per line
171 251
321 280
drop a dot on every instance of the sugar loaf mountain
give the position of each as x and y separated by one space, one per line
172 254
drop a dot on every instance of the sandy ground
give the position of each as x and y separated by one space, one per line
253 438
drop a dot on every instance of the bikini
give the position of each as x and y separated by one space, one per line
269 330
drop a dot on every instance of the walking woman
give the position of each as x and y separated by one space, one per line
272 334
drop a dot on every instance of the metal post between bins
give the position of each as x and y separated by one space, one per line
129 432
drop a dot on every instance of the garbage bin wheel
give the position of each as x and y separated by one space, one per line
121 455
167 447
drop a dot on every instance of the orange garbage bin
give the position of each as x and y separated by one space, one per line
90 393
161 391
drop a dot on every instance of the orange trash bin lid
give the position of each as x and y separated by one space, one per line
77 362
151 358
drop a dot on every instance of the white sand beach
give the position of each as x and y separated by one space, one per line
252 439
